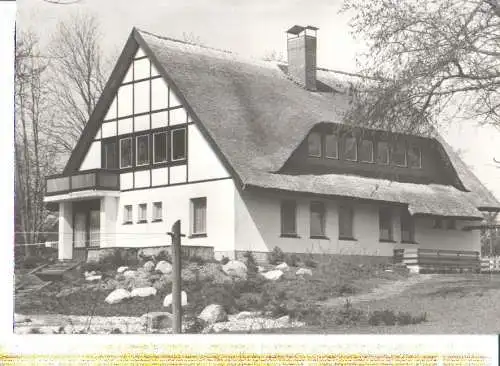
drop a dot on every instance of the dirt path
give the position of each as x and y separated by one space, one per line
383 291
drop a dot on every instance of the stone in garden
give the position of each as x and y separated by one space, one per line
163 282
18 318
282 266
247 315
149 266
304 271
260 269
235 268
121 269
93 278
89 274
273 275
157 320
164 267
283 320
213 313
143 292
168 299
117 296
130 274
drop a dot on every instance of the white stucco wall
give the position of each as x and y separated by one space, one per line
93 157
258 226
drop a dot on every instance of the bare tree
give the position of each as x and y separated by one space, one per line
78 77
427 60
32 147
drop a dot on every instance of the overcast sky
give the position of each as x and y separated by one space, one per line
251 28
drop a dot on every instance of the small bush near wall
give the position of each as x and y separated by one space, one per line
276 256
250 262
389 317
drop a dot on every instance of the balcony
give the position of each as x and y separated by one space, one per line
94 180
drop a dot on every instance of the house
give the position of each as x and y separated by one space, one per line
250 155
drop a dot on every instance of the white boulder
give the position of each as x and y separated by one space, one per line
149 266
18 318
273 275
130 274
93 278
260 269
117 296
168 299
143 292
247 315
213 313
164 267
121 269
235 269
304 271
282 266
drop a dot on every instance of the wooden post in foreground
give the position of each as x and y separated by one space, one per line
176 281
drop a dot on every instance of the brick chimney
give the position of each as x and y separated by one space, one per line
301 49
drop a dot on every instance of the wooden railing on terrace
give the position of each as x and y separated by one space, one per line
91 179
438 260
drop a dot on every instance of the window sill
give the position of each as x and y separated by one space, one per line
347 238
157 220
408 242
386 241
127 223
142 222
289 236
193 236
319 237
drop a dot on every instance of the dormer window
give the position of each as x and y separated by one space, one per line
331 146
383 152
414 157
398 156
314 144
366 151
350 149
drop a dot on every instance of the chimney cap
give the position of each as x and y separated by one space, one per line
296 29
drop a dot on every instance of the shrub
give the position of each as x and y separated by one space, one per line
30 262
404 318
276 256
346 289
379 317
310 262
348 315
224 260
250 262
292 260
163 255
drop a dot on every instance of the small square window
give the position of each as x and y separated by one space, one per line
142 213
142 150
415 157
178 144
350 149
383 152
127 214
126 153
314 144
366 151
399 154
331 146
157 211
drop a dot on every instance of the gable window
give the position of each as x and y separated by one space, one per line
160 147
399 154
437 223
350 149
142 214
142 149
414 157
126 152
199 216
178 144
346 215
317 220
331 146
157 211
407 228
382 152
366 151
288 218
127 214
451 224
110 160
385 223
314 144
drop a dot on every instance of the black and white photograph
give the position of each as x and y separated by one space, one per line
256 167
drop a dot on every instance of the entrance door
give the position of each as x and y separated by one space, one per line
86 228
80 236
94 228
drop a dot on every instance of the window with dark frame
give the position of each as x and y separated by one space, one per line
437 223
199 216
157 211
314 144
346 215
398 155
288 218
451 224
160 147
331 146
127 214
110 160
382 152
407 228
142 213
350 149
317 220
126 152
385 223
178 144
414 157
366 151
142 149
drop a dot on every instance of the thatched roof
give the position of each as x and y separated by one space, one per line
255 117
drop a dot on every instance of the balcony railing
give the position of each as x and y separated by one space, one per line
91 179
